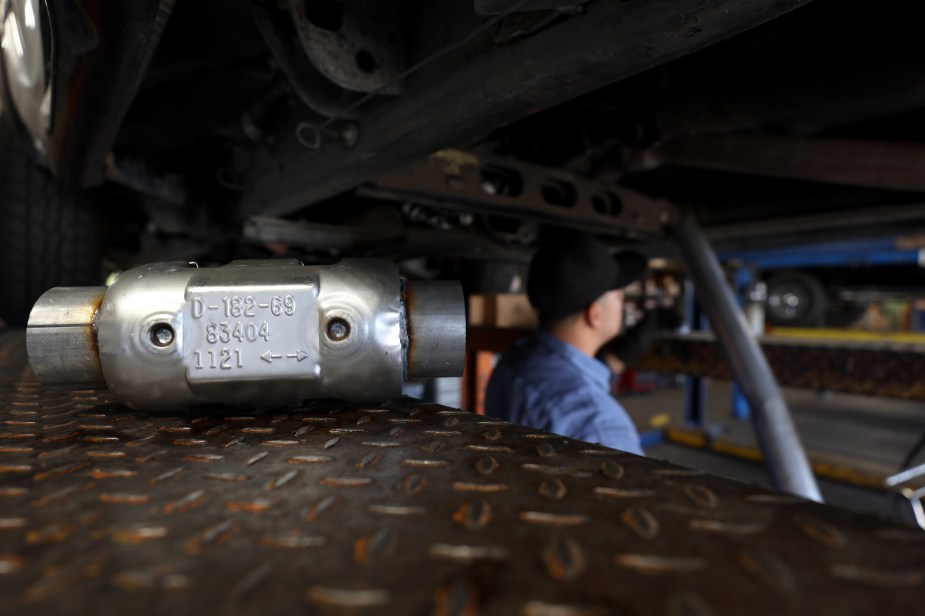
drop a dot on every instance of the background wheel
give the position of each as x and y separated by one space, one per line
50 234
795 299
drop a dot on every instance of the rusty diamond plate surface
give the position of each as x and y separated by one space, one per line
405 508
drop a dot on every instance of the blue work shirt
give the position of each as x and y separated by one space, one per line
550 385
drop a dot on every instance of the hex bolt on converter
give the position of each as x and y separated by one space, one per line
168 335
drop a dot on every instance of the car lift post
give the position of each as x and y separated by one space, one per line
695 392
777 436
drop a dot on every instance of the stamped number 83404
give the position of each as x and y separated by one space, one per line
241 331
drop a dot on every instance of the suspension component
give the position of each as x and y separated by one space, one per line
168 335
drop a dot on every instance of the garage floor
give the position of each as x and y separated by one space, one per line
858 433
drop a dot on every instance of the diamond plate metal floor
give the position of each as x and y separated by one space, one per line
405 508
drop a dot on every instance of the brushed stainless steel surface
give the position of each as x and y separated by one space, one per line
401 508
368 364
63 341
437 329
138 372
252 332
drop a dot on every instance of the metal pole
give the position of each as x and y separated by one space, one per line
783 453
695 387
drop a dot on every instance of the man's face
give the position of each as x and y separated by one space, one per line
611 313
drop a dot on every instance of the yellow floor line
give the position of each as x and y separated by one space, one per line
847 334
823 469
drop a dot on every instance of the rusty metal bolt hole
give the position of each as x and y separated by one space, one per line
338 329
559 193
497 180
365 61
162 334
607 204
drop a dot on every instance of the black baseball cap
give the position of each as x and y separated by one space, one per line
569 274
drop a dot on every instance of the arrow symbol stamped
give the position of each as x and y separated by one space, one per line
268 357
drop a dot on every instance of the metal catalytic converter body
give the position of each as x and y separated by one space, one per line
168 335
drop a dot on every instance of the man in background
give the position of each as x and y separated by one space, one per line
552 381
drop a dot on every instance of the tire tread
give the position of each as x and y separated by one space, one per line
50 234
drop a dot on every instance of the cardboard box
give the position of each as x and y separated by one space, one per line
506 310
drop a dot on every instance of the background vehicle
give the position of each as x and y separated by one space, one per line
831 283
215 129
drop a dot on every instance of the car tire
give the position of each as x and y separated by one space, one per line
50 234
795 299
